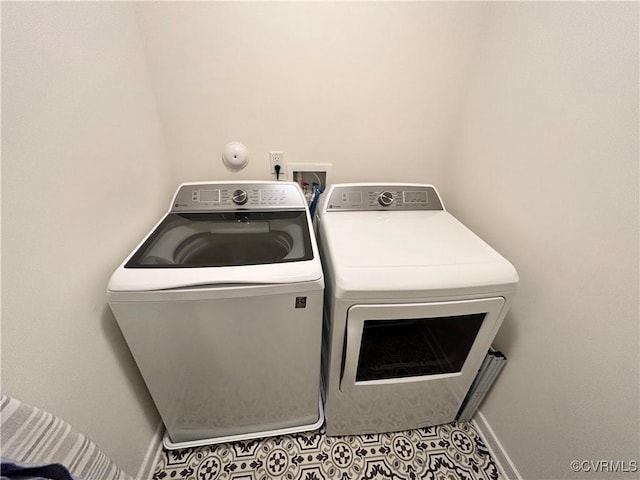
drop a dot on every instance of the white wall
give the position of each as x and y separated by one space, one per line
84 176
373 88
546 170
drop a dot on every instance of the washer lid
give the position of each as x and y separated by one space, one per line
222 248
223 239
409 252
146 280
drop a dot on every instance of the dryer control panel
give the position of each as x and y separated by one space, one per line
227 196
361 197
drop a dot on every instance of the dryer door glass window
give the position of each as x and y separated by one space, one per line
416 347
225 239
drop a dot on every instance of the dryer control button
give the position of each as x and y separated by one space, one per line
239 197
385 198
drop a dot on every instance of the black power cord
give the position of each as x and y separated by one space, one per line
277 169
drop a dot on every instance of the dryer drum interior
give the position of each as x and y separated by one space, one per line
416 347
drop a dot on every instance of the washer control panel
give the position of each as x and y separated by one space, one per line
220 196
358 197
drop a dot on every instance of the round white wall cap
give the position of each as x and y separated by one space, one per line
235 156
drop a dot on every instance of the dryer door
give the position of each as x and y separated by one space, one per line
391 344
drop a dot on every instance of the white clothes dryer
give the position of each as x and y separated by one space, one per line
221 307
412 303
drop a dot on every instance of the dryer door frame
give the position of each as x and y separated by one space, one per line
358 314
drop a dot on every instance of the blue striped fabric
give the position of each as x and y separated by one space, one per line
32 436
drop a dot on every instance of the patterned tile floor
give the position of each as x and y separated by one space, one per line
446 452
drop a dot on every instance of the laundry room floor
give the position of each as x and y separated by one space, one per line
445 452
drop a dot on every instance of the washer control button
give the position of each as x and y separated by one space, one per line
385 198
239 197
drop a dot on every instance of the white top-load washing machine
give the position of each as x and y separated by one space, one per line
221 307
412 303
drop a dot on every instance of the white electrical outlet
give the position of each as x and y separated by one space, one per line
276 158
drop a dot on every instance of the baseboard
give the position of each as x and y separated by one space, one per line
153 454
505 465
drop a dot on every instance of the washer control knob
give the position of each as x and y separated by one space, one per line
239 197
385 198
